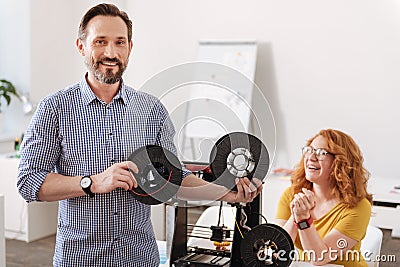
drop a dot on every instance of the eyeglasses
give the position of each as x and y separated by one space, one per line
320 153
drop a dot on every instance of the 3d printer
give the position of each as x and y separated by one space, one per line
250 242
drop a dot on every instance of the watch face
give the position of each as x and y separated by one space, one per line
303 225
86 182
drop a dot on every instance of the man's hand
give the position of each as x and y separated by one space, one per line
117 175
246 190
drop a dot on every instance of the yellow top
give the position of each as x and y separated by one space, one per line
351 222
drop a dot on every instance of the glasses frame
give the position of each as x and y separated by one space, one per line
316 151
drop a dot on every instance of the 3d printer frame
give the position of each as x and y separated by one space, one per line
182 256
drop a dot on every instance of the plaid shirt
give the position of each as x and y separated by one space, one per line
74 133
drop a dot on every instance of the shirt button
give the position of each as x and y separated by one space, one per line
116 239
115 213
112 161
110 133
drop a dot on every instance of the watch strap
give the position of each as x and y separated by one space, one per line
304 224
87 189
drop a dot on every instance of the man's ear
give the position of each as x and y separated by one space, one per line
80 46
130 47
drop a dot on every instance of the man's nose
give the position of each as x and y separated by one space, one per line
110 51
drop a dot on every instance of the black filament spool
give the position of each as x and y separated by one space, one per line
159 177
242 148
253 247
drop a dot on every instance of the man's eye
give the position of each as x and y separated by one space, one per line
100 42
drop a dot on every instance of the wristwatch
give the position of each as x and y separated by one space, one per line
86 182
304 224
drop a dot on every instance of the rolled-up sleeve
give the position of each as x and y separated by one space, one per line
40 150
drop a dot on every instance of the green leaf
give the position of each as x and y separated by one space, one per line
7 89
8 99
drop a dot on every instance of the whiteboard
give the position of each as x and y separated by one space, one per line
220 102
239 55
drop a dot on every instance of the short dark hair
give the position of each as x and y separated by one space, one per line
104 10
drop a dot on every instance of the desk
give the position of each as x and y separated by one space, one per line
383 190
386 208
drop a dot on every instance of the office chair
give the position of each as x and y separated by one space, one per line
371 245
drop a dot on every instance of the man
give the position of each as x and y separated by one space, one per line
76 148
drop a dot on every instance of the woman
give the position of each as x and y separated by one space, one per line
327 209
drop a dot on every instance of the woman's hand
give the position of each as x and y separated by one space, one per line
302 205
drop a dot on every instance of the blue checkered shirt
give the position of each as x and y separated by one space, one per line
75 133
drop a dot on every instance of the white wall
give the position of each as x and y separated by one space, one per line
321 64
14 51
14 64
55 61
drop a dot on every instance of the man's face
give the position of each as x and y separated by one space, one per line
106 48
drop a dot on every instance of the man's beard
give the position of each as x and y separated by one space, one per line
108 76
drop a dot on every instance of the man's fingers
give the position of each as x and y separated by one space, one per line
128 177
245 181
252 188
256 182
243 194
131 166
239 192
123 185
132 170
245 185
247 190
135 185
253 185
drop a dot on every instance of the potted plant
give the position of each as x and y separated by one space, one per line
7 90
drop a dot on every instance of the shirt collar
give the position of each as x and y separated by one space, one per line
88 96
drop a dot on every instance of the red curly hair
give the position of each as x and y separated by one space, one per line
348 178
